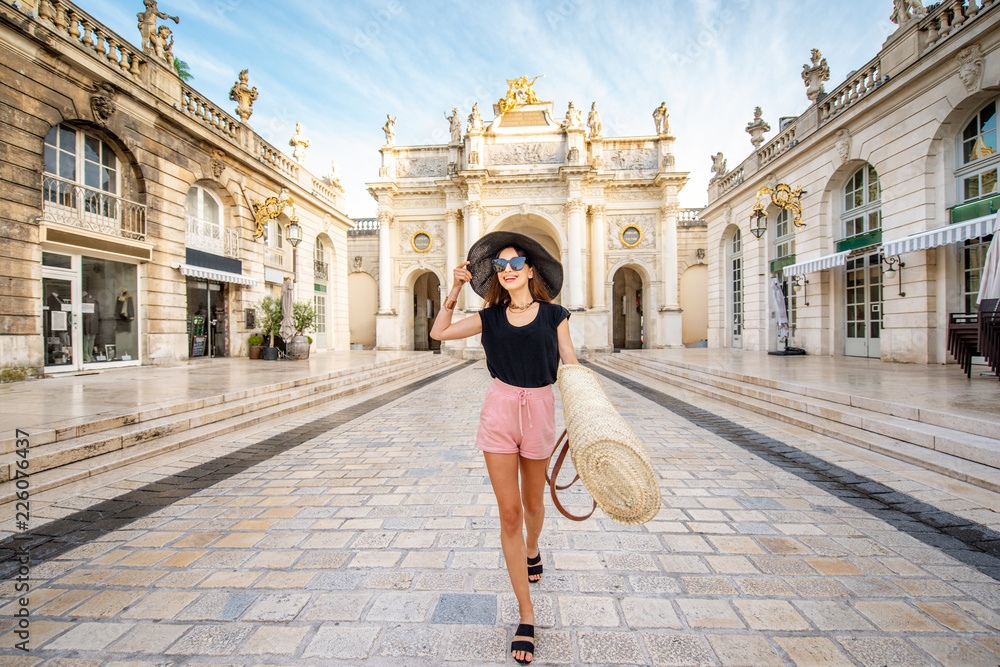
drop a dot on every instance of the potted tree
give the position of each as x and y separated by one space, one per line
304 319
256 341
270 322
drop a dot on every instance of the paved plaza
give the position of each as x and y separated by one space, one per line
366 531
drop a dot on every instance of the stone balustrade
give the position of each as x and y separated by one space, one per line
949 17
731 180
267 153
274 257
324 192
364 227
689 217
194 104
77 26
778 145
856 87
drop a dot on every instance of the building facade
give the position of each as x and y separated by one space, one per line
897 167
141 221
607 207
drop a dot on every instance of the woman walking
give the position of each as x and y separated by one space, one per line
524 337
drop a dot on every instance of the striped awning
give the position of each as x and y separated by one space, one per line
213 274
826 262
961 231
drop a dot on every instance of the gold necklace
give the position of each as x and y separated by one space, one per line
520 309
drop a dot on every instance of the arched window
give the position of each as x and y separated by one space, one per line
205 229
320 269
977 171
81 179
862 203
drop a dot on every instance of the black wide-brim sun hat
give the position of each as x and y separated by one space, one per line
483 252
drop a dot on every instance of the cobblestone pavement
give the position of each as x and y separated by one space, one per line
368 531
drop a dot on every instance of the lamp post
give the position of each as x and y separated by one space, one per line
893 262
293 234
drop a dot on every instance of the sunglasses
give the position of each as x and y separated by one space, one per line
516 264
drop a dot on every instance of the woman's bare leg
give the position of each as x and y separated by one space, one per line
503 471
533 502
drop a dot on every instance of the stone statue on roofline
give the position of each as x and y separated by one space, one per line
147 25
475 120
161 43
332 175
815 76
718 166
904 11
661 117
243 95
390 130
299 143
594 121
455 125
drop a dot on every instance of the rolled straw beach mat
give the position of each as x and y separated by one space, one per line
611 461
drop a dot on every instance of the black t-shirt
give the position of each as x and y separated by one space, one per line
525 356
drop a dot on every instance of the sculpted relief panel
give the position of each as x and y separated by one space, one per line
538 153
619 194
646 222
421 167
631 159
429 201
522 192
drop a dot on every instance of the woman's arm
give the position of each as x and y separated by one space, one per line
566 352
444 328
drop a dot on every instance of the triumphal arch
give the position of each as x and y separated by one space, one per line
606 206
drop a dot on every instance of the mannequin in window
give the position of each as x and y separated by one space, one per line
125 310
91 325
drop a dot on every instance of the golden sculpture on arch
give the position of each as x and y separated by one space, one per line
519 93
270 208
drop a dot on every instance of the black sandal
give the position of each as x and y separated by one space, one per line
523 630
535 567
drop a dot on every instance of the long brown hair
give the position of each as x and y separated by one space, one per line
496 295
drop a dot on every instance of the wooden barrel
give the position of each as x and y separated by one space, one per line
297 348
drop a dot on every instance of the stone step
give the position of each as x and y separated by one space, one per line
961 455
148 413
986 428
62 462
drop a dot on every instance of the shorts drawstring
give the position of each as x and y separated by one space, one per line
522 399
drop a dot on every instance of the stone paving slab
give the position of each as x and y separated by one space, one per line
377 541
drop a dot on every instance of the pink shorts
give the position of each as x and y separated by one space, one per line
518 421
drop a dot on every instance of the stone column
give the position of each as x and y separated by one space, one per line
574 234
473 213
451 247
668 212
384 264
597 242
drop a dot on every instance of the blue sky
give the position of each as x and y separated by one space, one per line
339 67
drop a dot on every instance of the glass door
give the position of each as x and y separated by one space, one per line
863 301
59 325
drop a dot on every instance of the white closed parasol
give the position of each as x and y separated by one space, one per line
989 282
287 328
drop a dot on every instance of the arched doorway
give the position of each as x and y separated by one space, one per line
362 304
627 322
426 303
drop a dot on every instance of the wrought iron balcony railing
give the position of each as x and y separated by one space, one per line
320 270
211 237
68 203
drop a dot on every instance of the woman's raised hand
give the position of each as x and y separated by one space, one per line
462 274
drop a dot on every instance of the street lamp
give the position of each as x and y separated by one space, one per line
293 234
890 272
783 197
